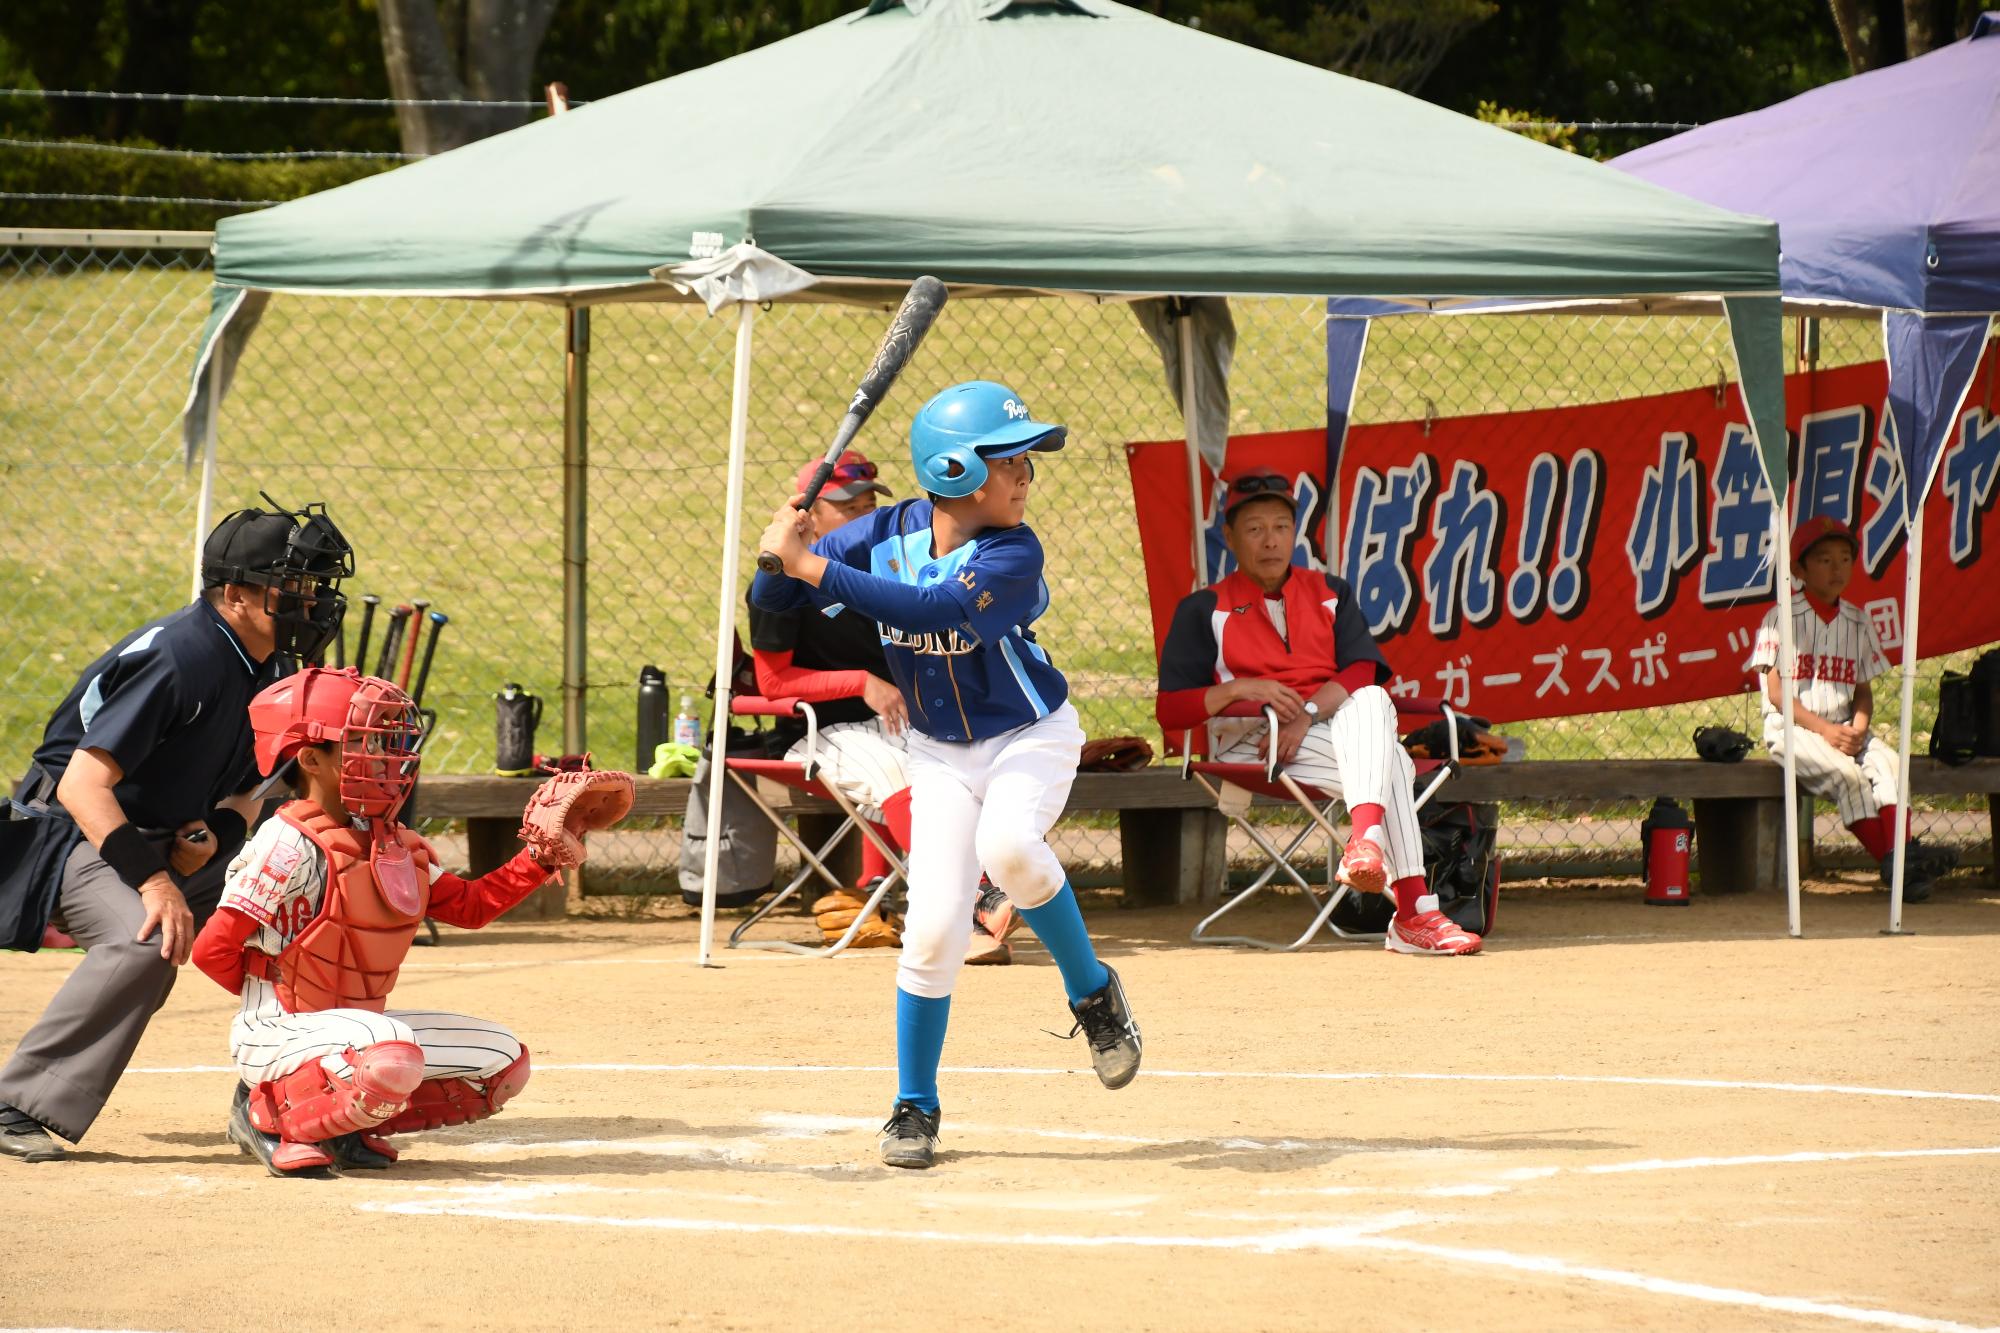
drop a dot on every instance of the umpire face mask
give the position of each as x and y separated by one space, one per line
299 558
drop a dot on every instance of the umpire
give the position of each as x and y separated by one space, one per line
138 796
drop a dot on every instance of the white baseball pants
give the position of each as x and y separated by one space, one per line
1860 785
861 761
986 804
269 1046
1356 755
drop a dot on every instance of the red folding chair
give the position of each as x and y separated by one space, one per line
764 781
1235 786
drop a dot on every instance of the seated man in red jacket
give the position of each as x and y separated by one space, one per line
1278 634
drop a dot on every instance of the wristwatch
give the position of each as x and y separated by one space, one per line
1312 709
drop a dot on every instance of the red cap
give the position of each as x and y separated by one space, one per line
1817 529
853 475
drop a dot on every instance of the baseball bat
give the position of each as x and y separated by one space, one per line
438 621
913 320
368 604
392 639
418 605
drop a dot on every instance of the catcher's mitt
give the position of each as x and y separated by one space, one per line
836 911
568 806
1720 745
1115 754
1476 745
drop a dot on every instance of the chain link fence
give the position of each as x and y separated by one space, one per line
433 430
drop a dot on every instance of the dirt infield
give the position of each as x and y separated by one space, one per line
1617 1117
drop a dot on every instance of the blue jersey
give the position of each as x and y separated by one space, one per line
954 627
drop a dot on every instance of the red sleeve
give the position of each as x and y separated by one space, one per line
779 679
218 949
1356 676
1181 710
472 903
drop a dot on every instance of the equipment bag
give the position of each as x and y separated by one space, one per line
1986 702
1955 733
749 859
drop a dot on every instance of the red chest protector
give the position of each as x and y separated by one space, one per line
1249 642
377 888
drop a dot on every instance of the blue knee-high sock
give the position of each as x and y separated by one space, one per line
920 1024
1058 924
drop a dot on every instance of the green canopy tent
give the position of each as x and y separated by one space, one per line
1074 146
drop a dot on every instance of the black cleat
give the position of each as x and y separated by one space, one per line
353 1152
1105 1019
22 1136
285 1160
910 1138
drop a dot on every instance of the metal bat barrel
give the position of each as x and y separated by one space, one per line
913 321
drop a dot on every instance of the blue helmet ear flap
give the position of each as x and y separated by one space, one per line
952 470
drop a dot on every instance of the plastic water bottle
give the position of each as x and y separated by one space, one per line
687 727
652 715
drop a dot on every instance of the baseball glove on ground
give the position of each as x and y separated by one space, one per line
1720 745
836 911
568 806
1115 754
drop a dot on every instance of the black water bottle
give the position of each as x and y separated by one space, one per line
652 715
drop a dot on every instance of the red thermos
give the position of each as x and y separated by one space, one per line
1668 836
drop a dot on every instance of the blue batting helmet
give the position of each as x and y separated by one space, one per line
955 433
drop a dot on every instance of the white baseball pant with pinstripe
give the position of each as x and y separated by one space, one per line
1859 785
267 1043
1355 755
862 761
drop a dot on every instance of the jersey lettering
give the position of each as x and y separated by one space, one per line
948 644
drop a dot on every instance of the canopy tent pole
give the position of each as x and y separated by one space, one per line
1190 422
1788 694
1913 558
576 540
204 509
725 622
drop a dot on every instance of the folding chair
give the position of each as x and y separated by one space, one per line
756 778
1235 785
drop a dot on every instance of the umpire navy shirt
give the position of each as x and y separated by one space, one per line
170 702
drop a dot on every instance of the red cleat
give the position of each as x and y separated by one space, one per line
1430 932
1361 866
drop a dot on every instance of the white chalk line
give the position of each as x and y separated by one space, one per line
1276 1075
1362 1235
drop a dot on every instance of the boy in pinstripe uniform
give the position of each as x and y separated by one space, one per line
1838 654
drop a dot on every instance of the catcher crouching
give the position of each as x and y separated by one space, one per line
319 911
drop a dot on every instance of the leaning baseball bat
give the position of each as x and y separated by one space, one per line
913 320
418 605
368 604
392 640
438 621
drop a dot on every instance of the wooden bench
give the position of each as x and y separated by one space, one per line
1173 845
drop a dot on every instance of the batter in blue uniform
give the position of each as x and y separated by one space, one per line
954 584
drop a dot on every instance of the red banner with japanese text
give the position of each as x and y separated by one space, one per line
1610 556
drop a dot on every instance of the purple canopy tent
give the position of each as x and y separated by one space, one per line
1886 191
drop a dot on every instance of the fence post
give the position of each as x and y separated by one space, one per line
576 517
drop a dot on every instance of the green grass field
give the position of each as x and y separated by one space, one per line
433 430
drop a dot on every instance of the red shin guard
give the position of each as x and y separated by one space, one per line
310 1105
439 1102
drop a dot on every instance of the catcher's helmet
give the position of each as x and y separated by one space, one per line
374 724
298 556
955 433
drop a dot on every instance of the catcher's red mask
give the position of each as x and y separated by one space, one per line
374 724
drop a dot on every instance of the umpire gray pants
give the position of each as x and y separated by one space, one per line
66 1065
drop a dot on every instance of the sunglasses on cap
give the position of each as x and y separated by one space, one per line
853 472
1259 484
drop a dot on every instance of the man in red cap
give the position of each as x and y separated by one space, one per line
836 664
1837 654
1274 633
